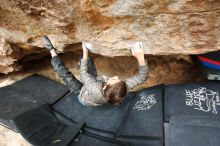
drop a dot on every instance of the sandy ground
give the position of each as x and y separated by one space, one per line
10 138
162 69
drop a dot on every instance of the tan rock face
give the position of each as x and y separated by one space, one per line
165 27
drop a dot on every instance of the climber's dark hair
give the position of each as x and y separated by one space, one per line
115 93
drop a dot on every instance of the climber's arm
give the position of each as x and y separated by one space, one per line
89 81
138 53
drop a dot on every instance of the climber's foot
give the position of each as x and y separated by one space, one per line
47 43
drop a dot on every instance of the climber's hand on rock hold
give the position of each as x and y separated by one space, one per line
138 52
85 51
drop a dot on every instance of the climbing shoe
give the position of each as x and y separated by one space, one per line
47 43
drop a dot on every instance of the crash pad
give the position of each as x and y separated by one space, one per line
40 127
138 120
194 131
27 94
198 99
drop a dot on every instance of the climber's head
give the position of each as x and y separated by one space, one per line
115 90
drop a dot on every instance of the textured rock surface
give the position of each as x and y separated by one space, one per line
165 26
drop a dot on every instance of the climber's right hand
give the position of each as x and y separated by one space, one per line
138 52
85 51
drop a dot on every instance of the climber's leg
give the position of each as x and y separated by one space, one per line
69 79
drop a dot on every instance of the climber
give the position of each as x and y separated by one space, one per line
96 90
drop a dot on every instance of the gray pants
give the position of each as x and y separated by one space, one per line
69 79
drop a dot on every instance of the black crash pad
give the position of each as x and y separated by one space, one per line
198 99
27 94
194 131
137 121
41 127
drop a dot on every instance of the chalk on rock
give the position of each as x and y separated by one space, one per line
90 46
